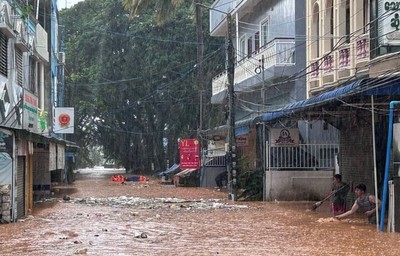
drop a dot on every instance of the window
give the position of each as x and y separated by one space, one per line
365 16
249 46
347 21
3 55
18 66
257 41
242 47
315 35
265 31
33 76
331 25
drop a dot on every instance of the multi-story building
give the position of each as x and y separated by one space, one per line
29 78
352 76
270 73
330 104
353 56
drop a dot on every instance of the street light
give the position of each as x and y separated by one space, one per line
231 150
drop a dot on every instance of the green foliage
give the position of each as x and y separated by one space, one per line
252 184
133 83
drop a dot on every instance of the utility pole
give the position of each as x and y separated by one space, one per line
231 154
231 161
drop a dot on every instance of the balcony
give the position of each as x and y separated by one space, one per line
21 31
6 26
278 52
362 49
344 62
220 83
339 64
328 68
314 73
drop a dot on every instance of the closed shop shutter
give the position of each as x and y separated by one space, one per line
20 187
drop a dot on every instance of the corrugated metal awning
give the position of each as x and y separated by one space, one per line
373 86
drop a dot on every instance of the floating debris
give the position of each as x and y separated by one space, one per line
156 203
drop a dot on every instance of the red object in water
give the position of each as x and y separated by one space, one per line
118 178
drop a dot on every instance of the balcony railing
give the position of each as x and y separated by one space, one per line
362 48
344 57
219 83
6 26
278 52
328 64
340 63
314 69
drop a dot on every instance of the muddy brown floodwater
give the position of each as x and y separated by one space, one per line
108 218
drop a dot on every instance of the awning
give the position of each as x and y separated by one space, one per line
169 170
185 172
372 86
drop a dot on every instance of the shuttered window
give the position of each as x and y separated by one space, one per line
33 75
3 54
18 66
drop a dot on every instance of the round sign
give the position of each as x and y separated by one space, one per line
64 119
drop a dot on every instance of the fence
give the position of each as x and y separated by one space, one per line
302 156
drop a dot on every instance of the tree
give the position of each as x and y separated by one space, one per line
165 10
131 82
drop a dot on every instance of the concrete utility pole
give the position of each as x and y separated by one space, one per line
231 154
231 161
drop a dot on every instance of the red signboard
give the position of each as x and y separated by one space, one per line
189 150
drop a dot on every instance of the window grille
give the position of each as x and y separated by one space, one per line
18 66
3 54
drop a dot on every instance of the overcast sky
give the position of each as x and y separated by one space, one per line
66 3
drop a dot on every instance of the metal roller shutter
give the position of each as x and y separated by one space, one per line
20 187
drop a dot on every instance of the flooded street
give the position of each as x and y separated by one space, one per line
110 218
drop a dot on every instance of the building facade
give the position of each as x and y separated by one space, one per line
353 56
349 77
270 73
29 77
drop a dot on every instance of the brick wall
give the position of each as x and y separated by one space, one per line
356 156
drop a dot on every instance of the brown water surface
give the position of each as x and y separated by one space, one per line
194 226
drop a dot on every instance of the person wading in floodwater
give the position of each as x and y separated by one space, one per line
339 193
221 178
365 203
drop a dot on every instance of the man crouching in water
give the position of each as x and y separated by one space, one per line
365 203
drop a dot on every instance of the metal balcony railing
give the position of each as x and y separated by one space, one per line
278 52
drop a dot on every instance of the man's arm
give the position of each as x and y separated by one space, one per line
375 201
353 209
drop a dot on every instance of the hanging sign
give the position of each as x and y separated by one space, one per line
284 136
63 120
189 150
389 25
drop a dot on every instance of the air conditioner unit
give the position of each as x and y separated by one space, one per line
61 57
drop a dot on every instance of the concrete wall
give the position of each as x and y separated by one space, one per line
297 185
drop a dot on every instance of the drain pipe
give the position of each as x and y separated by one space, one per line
387 163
